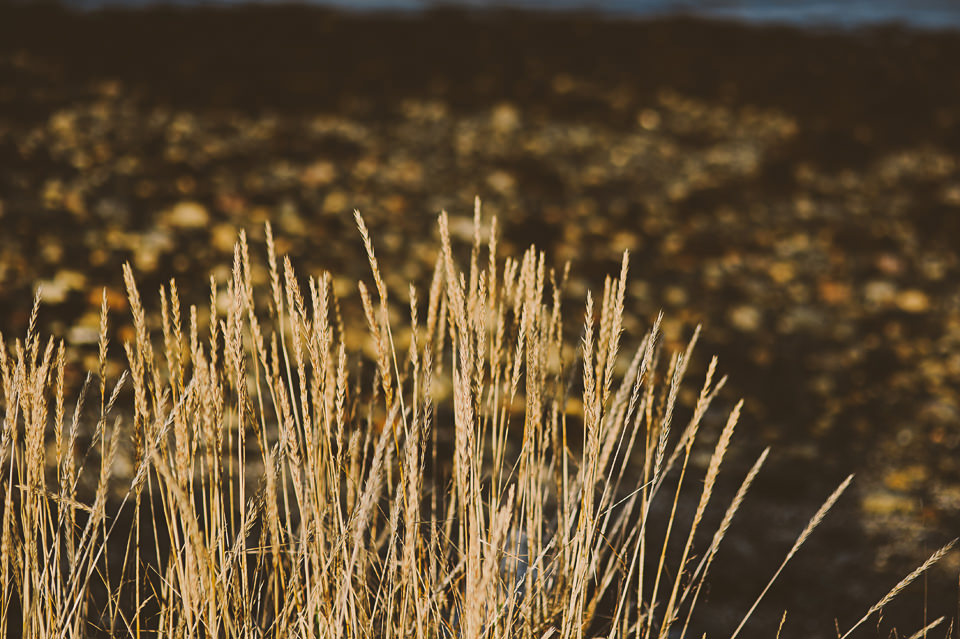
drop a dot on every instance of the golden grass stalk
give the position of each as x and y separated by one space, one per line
903 583
478 476
801 539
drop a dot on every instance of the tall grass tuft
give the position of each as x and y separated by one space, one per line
477 478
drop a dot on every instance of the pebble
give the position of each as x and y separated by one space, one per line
880 293
677 296
781 272
913 301
648 119
80 335
905 479
223 237
335 202
885 503
56 290
745 318
52 292
833 292
319 173
801 318
502 182
150 246
188 215
116 298
504 118
405 172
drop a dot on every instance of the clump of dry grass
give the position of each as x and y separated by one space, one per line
280 492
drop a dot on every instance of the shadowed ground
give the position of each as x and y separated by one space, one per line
798 193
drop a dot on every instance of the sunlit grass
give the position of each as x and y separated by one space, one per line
449 487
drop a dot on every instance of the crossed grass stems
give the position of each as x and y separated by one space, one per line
278 490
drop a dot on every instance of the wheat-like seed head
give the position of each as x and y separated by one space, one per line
485 479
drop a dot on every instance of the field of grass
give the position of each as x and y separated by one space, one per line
475 474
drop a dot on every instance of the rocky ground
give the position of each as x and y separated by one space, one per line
798 193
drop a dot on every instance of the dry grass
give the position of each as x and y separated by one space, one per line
282 490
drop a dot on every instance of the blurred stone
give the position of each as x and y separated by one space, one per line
501 182
149 247
116 299
319 173
676 296
649 120
951 194
624 240
186 184
55 290
366 167
223 237
880 293
122 468
904 479
781 272
886 503
833 292
673 334
913 301
231 204
934 268
746 318
145 188
51 249
407 172
395 204
75 202
335 202
948 498
678 190
52 193
291 221
425 110
52 292
504 118
83 335
187 215
889 264
462 228
563 83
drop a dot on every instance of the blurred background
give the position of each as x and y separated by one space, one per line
930 14
785 173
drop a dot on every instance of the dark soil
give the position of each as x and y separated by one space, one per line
796 192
